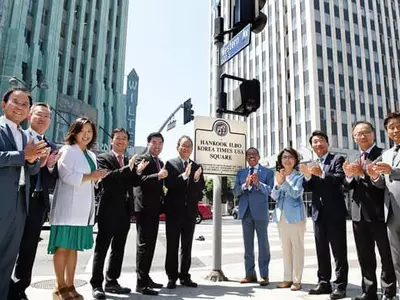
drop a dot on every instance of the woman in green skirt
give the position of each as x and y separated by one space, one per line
72 210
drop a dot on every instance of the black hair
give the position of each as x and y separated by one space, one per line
389 116
320 134
120 129
293 152
7 94
155 135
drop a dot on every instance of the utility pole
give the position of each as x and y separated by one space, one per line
216 272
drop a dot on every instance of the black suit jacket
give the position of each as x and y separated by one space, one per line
48 178
115 191
182 195
149 193
327 193
368 200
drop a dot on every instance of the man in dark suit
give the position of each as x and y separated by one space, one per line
385 173
115 207
368 217
41 185
185 183
19 158
148 197
325 178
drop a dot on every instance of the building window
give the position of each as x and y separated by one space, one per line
28 37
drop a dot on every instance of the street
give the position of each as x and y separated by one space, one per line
232 265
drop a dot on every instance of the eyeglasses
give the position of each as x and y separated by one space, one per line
362 133
20 104
287 157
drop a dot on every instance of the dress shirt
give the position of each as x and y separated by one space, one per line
117 157
255 170
350 179
322 162
184 176
17 134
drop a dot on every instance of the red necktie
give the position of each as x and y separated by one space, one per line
363 158
120 161
157 163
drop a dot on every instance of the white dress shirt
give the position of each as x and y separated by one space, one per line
17 135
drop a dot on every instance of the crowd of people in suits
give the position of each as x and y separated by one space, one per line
375 180
109 188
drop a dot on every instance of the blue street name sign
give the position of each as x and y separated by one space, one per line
236 44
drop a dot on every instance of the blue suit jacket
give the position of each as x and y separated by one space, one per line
256 199
289 199
11 161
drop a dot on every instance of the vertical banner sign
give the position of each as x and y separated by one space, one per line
131 104
220 145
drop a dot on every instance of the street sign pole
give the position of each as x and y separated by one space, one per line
216 273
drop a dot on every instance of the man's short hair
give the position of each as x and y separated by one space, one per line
363 122
7 94
389 116
184 137
252 148
39 104
155 135
120 129
320 134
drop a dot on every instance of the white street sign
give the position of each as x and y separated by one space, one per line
220 145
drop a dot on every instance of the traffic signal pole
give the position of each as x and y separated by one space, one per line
216 273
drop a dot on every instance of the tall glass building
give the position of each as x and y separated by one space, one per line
77 47
322 64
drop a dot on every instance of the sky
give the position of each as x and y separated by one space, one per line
168 45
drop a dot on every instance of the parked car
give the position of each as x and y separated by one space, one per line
205 213
235 212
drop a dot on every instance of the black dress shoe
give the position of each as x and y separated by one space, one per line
364 296
384 297
189 283
117 289
146 291
338 294
171 284
98 293
154 285
321 288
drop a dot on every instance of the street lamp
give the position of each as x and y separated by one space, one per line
41 85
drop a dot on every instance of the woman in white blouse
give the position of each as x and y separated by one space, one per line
72 210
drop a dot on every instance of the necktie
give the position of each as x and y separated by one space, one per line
185 164
38 186
363 158
120 161
395 152
320 160
251 173
157 163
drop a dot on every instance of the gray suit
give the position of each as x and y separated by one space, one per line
391 183
14 202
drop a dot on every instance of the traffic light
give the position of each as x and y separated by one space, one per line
246 97
187 111
248 11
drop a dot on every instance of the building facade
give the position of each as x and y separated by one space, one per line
78 48
322 64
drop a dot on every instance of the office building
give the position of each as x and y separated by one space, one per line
77 47
322 64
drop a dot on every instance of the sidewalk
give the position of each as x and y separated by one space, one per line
231 289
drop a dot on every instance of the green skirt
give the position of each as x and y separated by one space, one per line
70 237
